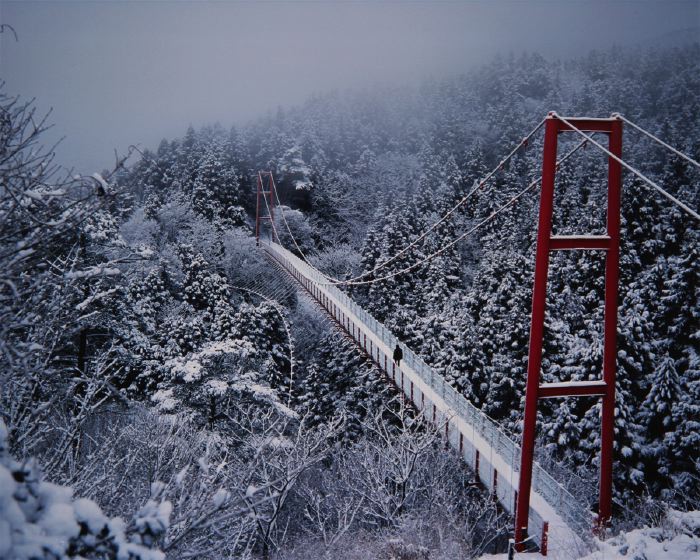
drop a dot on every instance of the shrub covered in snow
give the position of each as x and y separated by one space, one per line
42 520
677 538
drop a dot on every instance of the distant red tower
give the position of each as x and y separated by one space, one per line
265 201
546 242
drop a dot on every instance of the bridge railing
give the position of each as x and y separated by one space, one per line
552 491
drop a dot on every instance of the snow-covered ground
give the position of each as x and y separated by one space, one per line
678 538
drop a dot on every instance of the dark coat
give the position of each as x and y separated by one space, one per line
398 354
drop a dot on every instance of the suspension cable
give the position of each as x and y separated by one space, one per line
452 243
639 174
523 142
656 139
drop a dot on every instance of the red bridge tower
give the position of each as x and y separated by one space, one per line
546 242
265 181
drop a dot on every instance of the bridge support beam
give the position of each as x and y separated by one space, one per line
605 388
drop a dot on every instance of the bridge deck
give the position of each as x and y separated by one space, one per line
478 439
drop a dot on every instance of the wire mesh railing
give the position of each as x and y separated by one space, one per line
502 482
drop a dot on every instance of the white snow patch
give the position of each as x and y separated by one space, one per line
180 477
165 400
217 387
100 180
220 497
82 305
88 512
278 443
93 271
676 542
188 371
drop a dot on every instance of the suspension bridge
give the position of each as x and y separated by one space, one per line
546 513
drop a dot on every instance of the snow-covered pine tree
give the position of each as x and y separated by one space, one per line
216 190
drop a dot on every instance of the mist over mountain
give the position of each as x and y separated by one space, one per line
119 73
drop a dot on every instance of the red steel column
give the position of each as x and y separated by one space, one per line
544 538
266 194
257 212
539 299
270 191
612 262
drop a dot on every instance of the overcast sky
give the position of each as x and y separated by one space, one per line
118 73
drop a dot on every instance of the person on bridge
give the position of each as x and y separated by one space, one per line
398 355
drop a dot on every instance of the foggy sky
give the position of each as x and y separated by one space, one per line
118 73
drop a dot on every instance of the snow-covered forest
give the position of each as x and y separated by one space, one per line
165 391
